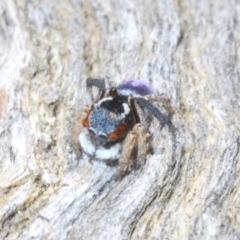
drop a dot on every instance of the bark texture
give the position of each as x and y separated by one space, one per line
188 51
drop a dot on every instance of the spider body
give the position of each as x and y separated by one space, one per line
112 128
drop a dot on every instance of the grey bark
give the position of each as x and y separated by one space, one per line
188 51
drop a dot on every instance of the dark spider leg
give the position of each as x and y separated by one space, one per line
153 110
93 82
113 92
99 83
102 94
165 101
133 107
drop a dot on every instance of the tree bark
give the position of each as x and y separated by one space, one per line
188 51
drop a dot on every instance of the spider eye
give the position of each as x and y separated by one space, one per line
102 137
91 131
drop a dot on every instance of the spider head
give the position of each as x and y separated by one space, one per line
110 118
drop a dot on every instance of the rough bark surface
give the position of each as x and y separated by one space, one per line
188 51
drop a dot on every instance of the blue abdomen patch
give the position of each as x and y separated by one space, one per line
135 87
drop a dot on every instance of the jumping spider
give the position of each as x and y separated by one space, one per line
113 128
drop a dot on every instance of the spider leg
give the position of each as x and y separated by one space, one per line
125 161
159 98
142 144
93 82
153 110
133 108
77 128
113 92
99 83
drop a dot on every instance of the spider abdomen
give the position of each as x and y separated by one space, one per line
135 87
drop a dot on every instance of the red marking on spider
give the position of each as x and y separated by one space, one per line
119 129
85 122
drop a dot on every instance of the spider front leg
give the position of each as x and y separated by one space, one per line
77 128
93 82
126 162
142 144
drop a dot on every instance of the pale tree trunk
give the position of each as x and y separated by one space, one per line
188 51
